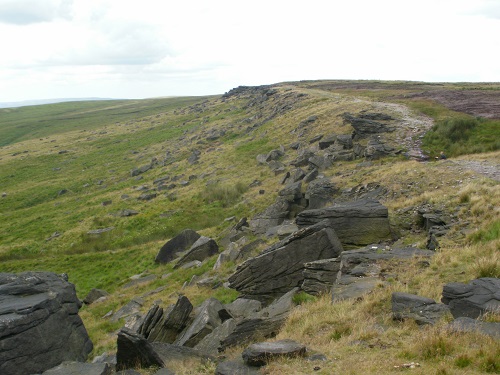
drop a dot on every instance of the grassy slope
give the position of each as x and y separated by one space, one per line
104 145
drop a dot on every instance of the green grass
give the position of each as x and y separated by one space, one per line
463 135
41 121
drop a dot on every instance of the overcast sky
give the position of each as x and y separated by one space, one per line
148 48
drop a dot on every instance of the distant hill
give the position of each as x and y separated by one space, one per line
25 103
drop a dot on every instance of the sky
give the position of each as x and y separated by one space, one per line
150 48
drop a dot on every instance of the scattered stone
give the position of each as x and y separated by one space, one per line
243 307
211 315
327 141
106 203
464 324
203 248
54 235
473 299
320 275
164 325
126 213
262 353
320 193
177 245
146 197
100 231
140 170
420 309
94 295
133 307
40 326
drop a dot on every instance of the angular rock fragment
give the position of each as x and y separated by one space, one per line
279 268
420 309
261 353
176 245
203 248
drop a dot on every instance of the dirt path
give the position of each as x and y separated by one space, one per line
410 130
485 168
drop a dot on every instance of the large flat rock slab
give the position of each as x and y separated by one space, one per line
356 223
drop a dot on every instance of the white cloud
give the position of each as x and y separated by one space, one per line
126 48
24 12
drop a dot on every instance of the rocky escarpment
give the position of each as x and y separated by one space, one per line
40 326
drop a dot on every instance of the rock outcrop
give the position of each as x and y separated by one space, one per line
473 299
356 223
40 326
279 268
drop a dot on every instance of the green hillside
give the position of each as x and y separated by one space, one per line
72 168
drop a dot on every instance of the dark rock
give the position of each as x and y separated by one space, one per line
273 215
243 307
320 275
203 248
126 213
464 324
420 309
359 271
274 155
80 368
292 192
235 368
266 323
212 342
316 138
165 325
320 193
141 170
297 175
134 350
473 299
376 149
194 157
39 323
106 203
176 245
211 315
344 141
320 162
133 307
364 126
279 268
356 223
146 197
311 175
261 353
302 159
94 295
327 141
